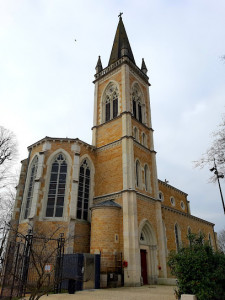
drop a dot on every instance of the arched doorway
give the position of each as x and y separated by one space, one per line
148 253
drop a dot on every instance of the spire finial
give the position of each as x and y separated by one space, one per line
143 67
120 15
98 67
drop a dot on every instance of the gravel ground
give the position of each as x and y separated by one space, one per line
148 292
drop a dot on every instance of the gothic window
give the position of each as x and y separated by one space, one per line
177 236
210 240
138 174
33 172
189 233
147 178
136 134
83 191
137 103
110 103
57 187
144 139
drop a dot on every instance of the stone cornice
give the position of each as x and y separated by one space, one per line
117 64
186 215
172 187
140 146
53 139
119 116
146 197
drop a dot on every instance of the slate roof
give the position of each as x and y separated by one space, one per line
120 41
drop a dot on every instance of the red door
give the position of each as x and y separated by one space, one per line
144 267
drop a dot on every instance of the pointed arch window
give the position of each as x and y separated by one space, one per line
210 240
136 134
147 177
83 191
30 192
110 103
177 237
137 103
57 187
144 143
138 174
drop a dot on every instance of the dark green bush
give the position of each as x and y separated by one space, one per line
199 270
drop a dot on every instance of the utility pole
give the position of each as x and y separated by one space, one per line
218 176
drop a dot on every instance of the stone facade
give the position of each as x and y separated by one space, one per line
110 200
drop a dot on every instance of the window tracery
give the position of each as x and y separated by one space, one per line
83 191
57 187
110 103
30 191
137 104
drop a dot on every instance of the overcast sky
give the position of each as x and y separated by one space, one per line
46 77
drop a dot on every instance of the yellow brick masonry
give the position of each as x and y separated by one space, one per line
105 234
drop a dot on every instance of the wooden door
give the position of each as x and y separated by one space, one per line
144 273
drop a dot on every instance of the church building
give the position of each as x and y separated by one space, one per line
106 196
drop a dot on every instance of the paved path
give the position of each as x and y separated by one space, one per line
149 292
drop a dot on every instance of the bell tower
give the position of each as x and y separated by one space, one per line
123 137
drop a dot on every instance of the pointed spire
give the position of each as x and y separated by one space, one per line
143 67
121 45
98 67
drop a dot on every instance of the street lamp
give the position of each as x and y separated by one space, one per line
218 176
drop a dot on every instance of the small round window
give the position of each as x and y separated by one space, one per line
182 205
172 200
161 196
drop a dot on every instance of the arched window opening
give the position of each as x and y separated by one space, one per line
177 236
57 187
144 139
138 174
147 178
137 103
136 134
210 240
161 197
83 191
110 102
30 191
189 237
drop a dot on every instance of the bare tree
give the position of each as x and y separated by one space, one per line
221 240
216 151
8 152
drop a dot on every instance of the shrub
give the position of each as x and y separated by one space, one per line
199 270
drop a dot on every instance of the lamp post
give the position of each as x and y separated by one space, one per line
218 176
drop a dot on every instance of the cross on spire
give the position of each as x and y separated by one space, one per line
120 15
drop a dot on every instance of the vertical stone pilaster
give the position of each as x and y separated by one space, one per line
20 190
128 163
161 243
125 88
95 116
75 181
70 237
132 273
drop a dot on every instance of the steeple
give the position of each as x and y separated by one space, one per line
121 46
